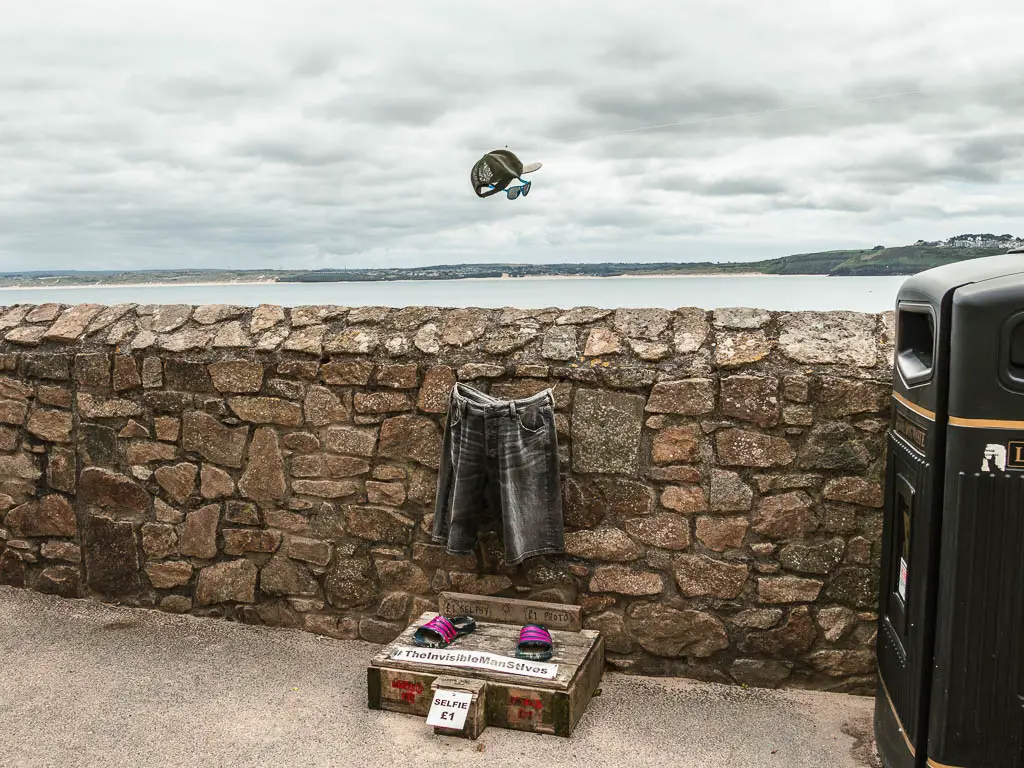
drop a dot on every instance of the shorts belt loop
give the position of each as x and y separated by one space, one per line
512 408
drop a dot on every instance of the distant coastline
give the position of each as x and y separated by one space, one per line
211 284
874 262
157 284
626 277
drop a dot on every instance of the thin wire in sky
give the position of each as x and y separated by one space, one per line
715 118
734 116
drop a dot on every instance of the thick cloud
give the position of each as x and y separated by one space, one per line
319 134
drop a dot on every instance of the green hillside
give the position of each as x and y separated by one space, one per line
901 260
909 259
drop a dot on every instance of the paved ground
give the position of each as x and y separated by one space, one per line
86 684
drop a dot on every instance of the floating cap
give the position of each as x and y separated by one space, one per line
497 168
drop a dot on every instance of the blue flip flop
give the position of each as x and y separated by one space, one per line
440 631
535 643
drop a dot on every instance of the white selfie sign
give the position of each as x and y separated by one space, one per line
449 709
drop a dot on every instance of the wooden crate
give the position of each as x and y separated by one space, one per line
512 701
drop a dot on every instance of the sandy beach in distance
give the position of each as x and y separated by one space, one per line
63 287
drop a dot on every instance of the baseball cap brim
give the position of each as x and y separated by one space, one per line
531 167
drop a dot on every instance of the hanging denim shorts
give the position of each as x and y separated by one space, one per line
502 456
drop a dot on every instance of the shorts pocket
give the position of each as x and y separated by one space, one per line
532 421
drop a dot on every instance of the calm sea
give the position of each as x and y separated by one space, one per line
783 293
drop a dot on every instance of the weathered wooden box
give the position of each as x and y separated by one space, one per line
512 701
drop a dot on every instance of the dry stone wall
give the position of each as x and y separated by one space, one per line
721 471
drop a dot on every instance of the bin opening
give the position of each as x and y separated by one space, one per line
915 342
1017 349
1011 366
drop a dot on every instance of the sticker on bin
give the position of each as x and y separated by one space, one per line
449 708
994 459
1000 458
902 587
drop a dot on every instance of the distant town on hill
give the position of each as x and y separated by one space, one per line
880 260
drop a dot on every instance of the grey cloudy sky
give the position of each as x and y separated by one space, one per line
323 134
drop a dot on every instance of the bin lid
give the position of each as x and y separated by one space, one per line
930 295
986 375
933 284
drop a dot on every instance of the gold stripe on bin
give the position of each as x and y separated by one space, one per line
959 421
903 731
919 410
888 698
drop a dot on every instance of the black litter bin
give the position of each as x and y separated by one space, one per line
951 591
